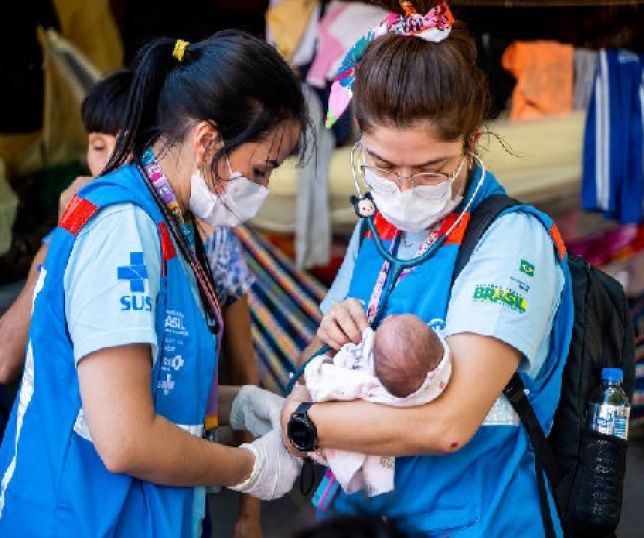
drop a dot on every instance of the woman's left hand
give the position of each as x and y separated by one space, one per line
343 323
298 395
255 410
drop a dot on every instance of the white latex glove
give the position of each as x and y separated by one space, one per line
274 470
256 410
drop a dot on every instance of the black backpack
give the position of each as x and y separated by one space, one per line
602 337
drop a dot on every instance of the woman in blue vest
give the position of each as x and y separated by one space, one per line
464 467
119 391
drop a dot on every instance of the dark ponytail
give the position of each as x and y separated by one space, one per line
153 64
232 79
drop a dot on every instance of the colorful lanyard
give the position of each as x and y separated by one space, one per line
185 233
163 188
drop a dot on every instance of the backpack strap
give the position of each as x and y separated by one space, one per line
544 460
481 219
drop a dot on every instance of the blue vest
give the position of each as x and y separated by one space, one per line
53 480
487 488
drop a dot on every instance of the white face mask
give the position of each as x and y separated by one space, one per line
239 202
415 209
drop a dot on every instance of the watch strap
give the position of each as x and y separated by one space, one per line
303 409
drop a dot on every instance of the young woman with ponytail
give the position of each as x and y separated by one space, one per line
109 434
464 466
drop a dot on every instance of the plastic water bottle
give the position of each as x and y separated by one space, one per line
597 491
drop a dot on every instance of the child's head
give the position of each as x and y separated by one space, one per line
102 112
405 350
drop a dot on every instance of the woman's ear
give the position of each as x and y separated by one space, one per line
474 139
206 140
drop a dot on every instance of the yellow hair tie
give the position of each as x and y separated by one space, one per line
179 49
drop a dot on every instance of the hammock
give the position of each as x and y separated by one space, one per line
283 307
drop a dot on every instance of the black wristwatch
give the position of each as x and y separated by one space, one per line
301 430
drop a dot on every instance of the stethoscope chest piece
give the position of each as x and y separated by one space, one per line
363 205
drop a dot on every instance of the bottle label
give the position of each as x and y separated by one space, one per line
611 420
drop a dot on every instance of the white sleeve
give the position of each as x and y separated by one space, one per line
340 287
112 281
510 289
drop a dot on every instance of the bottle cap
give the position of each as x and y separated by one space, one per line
612 374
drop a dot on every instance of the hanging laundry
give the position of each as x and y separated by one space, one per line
543 70
291 26
342 25
329 48
585 61
312 219
613 176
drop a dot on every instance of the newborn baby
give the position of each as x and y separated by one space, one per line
403 363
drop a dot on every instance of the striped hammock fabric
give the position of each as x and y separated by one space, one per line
283 307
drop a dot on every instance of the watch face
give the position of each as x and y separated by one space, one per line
300 435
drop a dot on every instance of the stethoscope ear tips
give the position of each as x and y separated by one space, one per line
363 205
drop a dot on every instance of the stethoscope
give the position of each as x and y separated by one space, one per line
365 209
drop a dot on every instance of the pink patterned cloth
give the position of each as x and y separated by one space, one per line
329 47
350 376
434 26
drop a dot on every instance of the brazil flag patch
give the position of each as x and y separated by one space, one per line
527 268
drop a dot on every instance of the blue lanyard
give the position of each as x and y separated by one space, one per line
397 265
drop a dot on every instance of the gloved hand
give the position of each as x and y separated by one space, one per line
256 410
274 470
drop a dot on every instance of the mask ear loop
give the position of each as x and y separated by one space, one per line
223 182
479 184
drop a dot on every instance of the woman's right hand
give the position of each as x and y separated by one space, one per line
274 470
343 323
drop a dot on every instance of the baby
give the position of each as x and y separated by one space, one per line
403 363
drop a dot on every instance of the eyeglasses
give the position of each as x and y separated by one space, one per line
395 180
